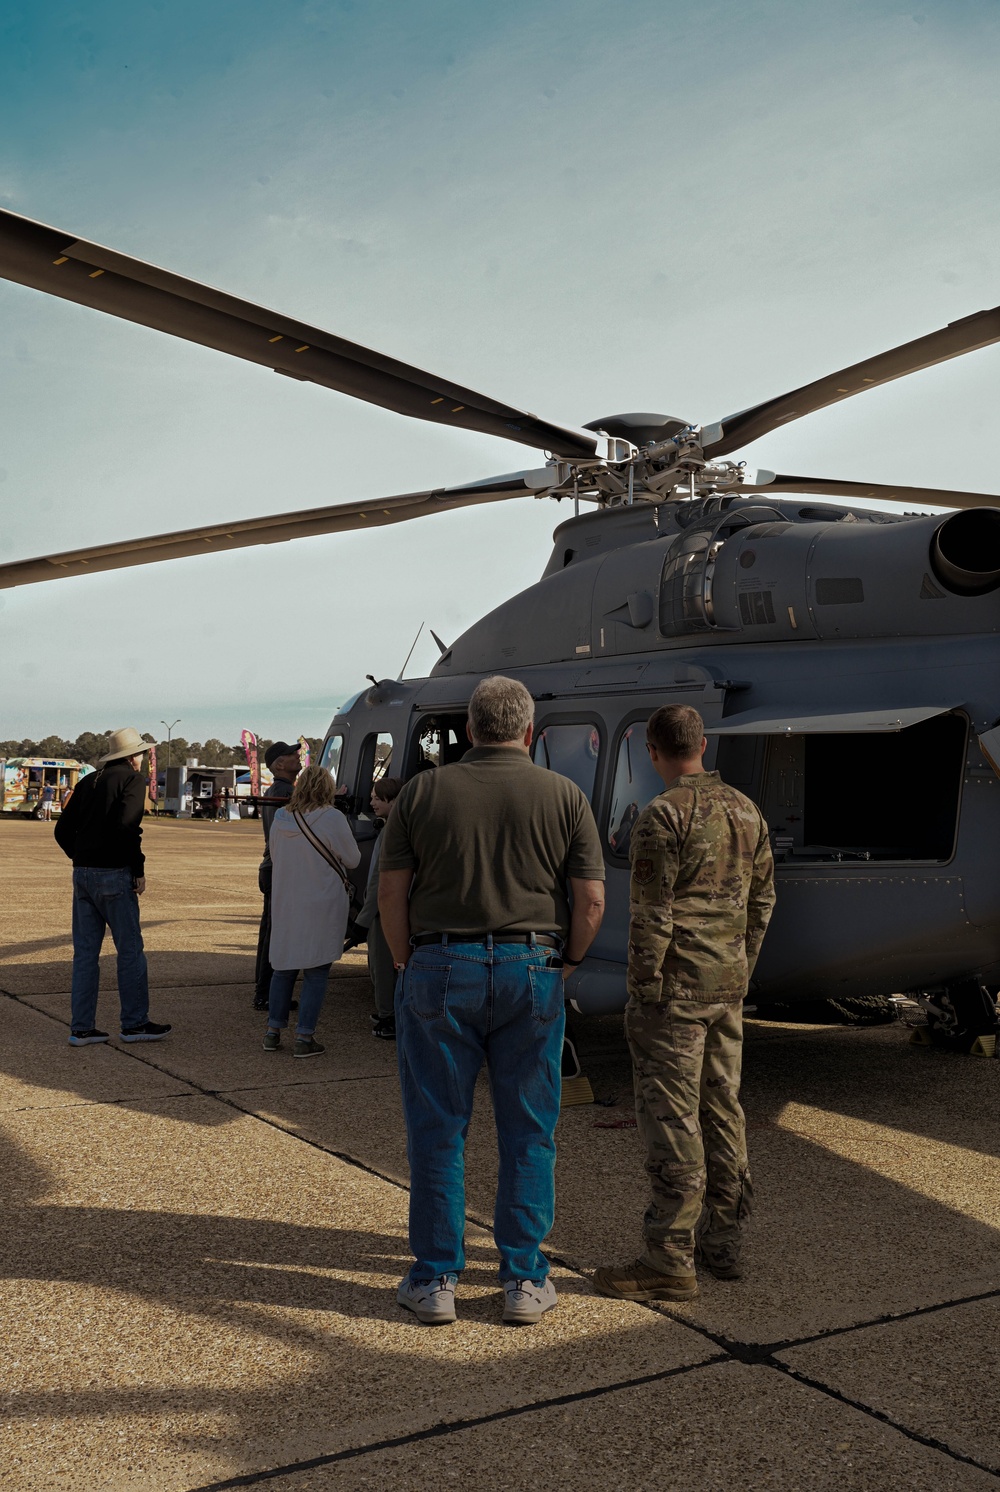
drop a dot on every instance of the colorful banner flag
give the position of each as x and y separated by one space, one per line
250 747
303 752
152 774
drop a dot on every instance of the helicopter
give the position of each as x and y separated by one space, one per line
845 660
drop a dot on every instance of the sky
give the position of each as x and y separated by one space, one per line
576 206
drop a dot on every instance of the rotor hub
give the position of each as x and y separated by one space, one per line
640 429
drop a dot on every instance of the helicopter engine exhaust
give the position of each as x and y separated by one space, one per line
965 552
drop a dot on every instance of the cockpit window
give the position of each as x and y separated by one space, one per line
571 750
636 784
330 759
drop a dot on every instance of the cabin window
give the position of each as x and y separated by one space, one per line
864 796
441 739
376 759
383 756
333 749
636 784
572 750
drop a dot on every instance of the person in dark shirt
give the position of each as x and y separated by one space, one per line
478 865
283 762
100 829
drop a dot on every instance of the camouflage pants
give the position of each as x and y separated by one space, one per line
686 1056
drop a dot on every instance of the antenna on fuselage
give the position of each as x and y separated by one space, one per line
412 646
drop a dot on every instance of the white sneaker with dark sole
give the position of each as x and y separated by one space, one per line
525 1303
433 1303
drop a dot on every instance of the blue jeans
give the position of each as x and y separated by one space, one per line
103 899
458 1004
311 997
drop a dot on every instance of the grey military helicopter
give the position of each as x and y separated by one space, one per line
846 660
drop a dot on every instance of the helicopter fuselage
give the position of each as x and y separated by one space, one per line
845 665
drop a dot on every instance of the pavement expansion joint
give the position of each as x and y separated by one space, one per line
884 1419
371 1077
764 1354
754 1353
93 1103
452 1427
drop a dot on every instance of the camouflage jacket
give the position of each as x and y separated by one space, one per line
702 892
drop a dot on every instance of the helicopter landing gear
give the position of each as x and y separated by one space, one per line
962 1017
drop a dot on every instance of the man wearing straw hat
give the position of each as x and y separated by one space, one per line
101 831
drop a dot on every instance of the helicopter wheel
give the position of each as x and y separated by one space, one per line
959 1014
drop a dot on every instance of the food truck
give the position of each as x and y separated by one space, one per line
195 791
23 780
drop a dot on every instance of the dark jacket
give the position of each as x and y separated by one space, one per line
101 824
279 789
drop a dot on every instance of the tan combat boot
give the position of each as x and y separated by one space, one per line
638 1282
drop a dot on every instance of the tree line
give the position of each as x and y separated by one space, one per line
89 746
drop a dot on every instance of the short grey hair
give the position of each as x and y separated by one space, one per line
500 710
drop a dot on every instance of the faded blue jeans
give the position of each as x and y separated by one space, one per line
103 899
458 1005
311 997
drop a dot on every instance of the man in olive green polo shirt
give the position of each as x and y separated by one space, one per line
476 870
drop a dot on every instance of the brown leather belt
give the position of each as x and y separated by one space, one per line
546 940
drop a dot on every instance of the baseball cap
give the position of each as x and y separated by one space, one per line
279 748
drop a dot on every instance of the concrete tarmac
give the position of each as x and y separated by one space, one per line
200 1244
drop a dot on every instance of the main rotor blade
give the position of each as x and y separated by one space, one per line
935 497
967 335
50 260
217 537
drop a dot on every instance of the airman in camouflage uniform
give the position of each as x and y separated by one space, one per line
701 896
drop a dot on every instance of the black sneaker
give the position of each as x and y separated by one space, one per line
148 1031
384 1026
260 1002
307 1046
86 1038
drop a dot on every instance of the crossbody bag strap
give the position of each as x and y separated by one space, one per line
323 850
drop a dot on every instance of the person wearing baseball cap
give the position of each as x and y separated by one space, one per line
100 829
284 763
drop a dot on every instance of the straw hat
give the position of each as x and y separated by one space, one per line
122 743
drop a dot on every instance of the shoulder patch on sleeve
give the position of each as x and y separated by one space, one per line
643 871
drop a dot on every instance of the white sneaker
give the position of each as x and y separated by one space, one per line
432 1303
525 1302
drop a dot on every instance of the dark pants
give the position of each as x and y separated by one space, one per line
458 1005
381 970
262 971
105 899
